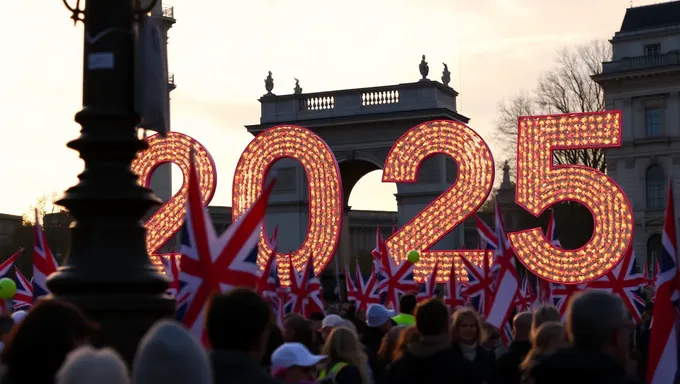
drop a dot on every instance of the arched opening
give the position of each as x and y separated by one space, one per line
653 250
373 204
655 180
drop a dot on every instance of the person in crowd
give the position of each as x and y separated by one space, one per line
294 364
430 359
599 330
275 341
642 334
407 336
544 314
329 323
168 354
317 319
467 333
237 324
378 323
298 329
492 341
6 325
407 304
550 337
347 362
19 316
508 364
388 345
49 332
87 365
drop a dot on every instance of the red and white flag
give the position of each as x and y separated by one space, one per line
662 363
215 264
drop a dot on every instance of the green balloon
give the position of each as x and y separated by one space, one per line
413 256
7 288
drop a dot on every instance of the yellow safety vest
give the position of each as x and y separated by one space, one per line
334 371
404 319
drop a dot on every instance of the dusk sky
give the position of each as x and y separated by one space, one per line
220 52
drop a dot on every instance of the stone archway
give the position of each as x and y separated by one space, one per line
360 126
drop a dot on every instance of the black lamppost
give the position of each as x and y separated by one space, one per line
107 272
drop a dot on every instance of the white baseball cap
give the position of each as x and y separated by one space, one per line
19 316
377 315
332 321
294 355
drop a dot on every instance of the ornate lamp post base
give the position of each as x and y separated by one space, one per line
108 272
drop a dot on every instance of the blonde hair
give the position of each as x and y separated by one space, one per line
462 314
343 345
546 335
407 336
88 365
544 314
388 345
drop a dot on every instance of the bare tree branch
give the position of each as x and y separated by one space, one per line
567 88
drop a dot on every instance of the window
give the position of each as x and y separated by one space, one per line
653 121
652 49
653 250
655 181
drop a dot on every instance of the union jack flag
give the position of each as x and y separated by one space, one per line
365 294
478 290
7 264
662 363
453 297
544 287
23 299
561 294
394 280
486 235
304 296
170 264
507 284
269 284
215 264
44 263
525 296
350 286
626 281
651 278
427 289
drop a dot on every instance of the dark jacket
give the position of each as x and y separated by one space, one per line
432 360
372 339
571 365
236 367
508 364
482 369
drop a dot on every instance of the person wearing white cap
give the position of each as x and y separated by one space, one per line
379 321
329 323
294 364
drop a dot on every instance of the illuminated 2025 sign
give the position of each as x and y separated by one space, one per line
540 185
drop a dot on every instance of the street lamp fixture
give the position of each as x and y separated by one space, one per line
107 272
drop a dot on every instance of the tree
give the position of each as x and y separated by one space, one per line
566 88
44 205
56 222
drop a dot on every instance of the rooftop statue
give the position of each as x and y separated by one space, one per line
297 89
269 83
446 75
424 69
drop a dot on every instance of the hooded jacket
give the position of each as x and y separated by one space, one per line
571 365
169 355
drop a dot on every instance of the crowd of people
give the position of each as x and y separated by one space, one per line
424 343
